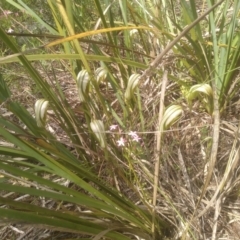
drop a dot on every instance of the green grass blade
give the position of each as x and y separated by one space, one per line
29 11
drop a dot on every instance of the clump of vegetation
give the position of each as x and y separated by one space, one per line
120 124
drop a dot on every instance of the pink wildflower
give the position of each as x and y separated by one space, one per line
121 142
136 138
10 30
113 127
132 134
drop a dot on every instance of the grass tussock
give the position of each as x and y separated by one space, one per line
120 125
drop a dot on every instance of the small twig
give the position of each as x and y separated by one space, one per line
215 139
24 236
185 175
15 229
158 148
216 215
